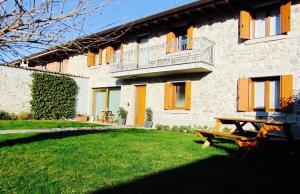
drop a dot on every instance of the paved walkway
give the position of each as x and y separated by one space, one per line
49 130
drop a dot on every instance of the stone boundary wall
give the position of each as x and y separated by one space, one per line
15 94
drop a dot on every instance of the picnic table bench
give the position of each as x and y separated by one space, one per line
245 138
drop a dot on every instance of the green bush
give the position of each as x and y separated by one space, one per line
149 114
179 128
7 116
122 113
4 115
25 116
53 96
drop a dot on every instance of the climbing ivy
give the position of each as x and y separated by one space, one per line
53 96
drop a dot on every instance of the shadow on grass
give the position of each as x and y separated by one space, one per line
52 135
260 172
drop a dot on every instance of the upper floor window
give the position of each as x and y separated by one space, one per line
179 40
267 21
94 58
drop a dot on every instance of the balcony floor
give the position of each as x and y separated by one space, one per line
164 70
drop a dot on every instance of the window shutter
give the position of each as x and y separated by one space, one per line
100 56
171 42
168 96
109 52
285 13
90 59
245 19
121 52
188 95
286 93
243 95
190 37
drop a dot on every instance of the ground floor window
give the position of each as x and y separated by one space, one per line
106 99
268 94
178 95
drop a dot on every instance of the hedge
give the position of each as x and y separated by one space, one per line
53 96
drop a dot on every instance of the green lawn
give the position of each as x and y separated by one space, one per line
33 124
136 161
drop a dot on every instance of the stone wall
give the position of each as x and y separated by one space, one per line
15 93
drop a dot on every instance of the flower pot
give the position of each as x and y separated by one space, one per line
81 118
148 124
121 121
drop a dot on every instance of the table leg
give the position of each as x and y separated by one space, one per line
239 127
217 126
208 142
255 126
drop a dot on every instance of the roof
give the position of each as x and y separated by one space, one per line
118 31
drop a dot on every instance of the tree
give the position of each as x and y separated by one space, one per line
40 24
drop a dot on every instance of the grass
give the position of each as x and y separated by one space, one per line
34 124
136 161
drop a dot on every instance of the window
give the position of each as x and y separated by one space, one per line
106 99
265 21
178 95
265 94
180 39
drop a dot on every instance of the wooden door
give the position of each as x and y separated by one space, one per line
140 105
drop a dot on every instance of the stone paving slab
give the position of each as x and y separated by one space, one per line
49 130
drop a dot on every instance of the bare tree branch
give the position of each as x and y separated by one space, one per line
45 23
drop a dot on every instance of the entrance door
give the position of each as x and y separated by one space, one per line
140 105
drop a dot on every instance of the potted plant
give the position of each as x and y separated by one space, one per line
122 116
149 115
81 118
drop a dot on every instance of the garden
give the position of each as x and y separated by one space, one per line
138 161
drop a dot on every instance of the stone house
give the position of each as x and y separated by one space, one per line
209 58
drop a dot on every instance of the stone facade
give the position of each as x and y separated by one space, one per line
213 94
15 92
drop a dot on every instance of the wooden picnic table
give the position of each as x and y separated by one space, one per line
245 138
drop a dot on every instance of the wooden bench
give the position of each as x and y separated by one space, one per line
210 135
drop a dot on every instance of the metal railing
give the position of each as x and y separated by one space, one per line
174 53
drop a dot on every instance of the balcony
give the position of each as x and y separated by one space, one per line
180 56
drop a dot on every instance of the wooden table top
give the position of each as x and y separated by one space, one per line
252 120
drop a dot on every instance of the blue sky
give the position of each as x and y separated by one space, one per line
122 11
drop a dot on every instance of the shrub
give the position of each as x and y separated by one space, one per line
122 113
149 114
13 116
4 115
25 116
7 116
179 128
53 96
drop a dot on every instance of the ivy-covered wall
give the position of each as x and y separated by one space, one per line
53 96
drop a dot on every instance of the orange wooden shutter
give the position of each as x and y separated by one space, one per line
109 53
100 56
168 96
90 59
188 95
171 42
286 93
121 52
245 19
285 13
243 95
190 37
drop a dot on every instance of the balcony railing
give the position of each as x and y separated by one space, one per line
175 53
